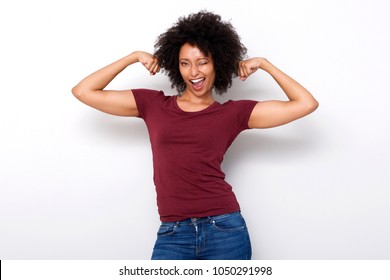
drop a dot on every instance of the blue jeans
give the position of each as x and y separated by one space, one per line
223 237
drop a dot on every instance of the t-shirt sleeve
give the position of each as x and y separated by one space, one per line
146 100
244 110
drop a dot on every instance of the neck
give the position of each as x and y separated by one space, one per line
189 102
188 96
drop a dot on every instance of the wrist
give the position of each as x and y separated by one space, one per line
131 58
264 63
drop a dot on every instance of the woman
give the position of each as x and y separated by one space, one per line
190 132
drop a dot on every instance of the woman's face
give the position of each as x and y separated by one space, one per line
197 70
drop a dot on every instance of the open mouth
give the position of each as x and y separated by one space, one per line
198 83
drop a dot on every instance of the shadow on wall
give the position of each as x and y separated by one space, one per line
273 145
115 130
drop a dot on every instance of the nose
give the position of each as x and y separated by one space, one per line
194 70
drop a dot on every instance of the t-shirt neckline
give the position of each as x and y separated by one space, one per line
211 106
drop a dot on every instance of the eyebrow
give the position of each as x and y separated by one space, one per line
201 58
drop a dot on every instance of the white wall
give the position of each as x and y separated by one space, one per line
77 184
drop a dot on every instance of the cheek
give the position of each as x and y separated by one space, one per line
210 71
183 73
212 75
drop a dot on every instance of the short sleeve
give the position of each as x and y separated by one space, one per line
244 110
146 100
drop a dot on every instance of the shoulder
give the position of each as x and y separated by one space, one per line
240 105
148 99
142 91
146 95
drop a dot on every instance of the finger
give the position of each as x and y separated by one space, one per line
148 64
254 68
250 69
245 73
155 68
241 70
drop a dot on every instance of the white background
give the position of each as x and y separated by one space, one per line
76 183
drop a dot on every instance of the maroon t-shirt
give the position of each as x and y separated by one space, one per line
188 149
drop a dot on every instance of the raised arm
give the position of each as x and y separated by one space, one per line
116 102
274 112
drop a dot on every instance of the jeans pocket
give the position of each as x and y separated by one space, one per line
233 222
166 229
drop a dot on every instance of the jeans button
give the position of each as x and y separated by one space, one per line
193 220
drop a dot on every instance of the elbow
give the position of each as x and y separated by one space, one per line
313 105
77 92
310 107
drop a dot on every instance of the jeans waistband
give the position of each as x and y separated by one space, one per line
194 220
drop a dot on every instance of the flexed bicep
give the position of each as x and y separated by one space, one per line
91 90
118 103
277 112
272 113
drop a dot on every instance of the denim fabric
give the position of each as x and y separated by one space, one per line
223 237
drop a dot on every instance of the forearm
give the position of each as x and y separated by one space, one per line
293 90
101 78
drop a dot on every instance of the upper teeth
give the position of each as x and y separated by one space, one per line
196 81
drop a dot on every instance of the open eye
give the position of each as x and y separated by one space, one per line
183 63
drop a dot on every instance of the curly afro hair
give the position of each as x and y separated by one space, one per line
211 35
